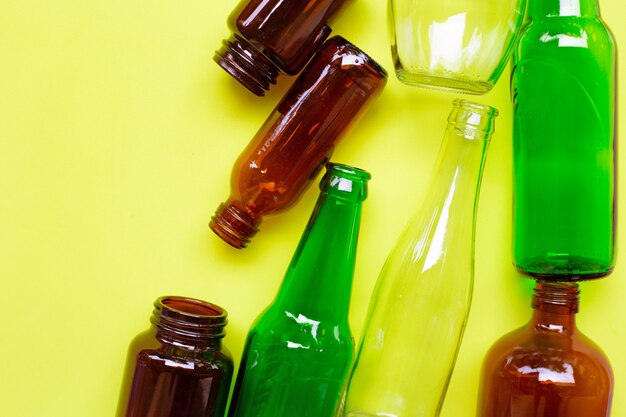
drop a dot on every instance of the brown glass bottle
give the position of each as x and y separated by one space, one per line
179 367
547 368
274 36
298 138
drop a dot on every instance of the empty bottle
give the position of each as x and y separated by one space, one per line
179 368
299 350
563 90
421 301
547 368
274 36
298 138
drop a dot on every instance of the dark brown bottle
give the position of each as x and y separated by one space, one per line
179 367
547 368
298 138
274 36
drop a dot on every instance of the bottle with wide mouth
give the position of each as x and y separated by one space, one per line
298 138
270 37
178 368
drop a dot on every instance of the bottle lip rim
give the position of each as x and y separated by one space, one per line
186 307
347 171
479 107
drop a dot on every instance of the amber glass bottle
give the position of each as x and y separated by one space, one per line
298 138
274 36
179 368
547 368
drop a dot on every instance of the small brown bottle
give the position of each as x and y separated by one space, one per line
547 368
274 36
298 138
179 367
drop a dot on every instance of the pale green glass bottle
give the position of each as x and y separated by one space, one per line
300 349
421 301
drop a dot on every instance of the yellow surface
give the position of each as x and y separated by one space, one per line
117 136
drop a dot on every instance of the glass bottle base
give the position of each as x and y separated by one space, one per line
447 82
562 268
233 225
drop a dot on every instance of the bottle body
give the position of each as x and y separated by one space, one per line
274 36
179 368
299 350
298 138
546 368
456 45
563 89
420 304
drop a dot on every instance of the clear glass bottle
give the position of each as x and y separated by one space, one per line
457 45
299 350
298 138
547 368
421 301
564 143
274 36
178 368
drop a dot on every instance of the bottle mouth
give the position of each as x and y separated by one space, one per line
345 181
233 225
473 119
188 319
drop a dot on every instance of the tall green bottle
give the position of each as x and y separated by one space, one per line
563 91
299 350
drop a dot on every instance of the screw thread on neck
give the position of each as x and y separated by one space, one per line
246 64
233 224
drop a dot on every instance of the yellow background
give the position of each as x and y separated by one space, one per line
117 137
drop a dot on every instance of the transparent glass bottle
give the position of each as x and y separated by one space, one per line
297 139
547 368
178 368
457 45
274 36
421 301
299 350
564 143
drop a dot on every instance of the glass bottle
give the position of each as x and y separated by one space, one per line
299 350
548 367
456 45
274 36
421 300
179 367
298 138
563 91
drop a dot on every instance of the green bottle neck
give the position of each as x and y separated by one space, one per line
540 9
318 282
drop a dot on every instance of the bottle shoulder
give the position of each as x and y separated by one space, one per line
543 31
548 355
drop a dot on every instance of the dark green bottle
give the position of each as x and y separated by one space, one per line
299 350
563 91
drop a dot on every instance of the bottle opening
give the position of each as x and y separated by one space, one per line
188 321
556 294
233 225
474 120
345 181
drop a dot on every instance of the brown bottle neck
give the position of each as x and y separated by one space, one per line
187 324
555 306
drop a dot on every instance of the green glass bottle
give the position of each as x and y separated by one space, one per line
299 350
563 91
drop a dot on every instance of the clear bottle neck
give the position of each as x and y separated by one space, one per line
540 9
318 281
555 306
187 324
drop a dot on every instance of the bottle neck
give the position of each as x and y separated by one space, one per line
187 324
318 282
452 196
555 306
539 9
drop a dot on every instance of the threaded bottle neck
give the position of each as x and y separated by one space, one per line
246 64
234 224
556 297
188 323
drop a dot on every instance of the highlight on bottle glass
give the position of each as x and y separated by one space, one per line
456 45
